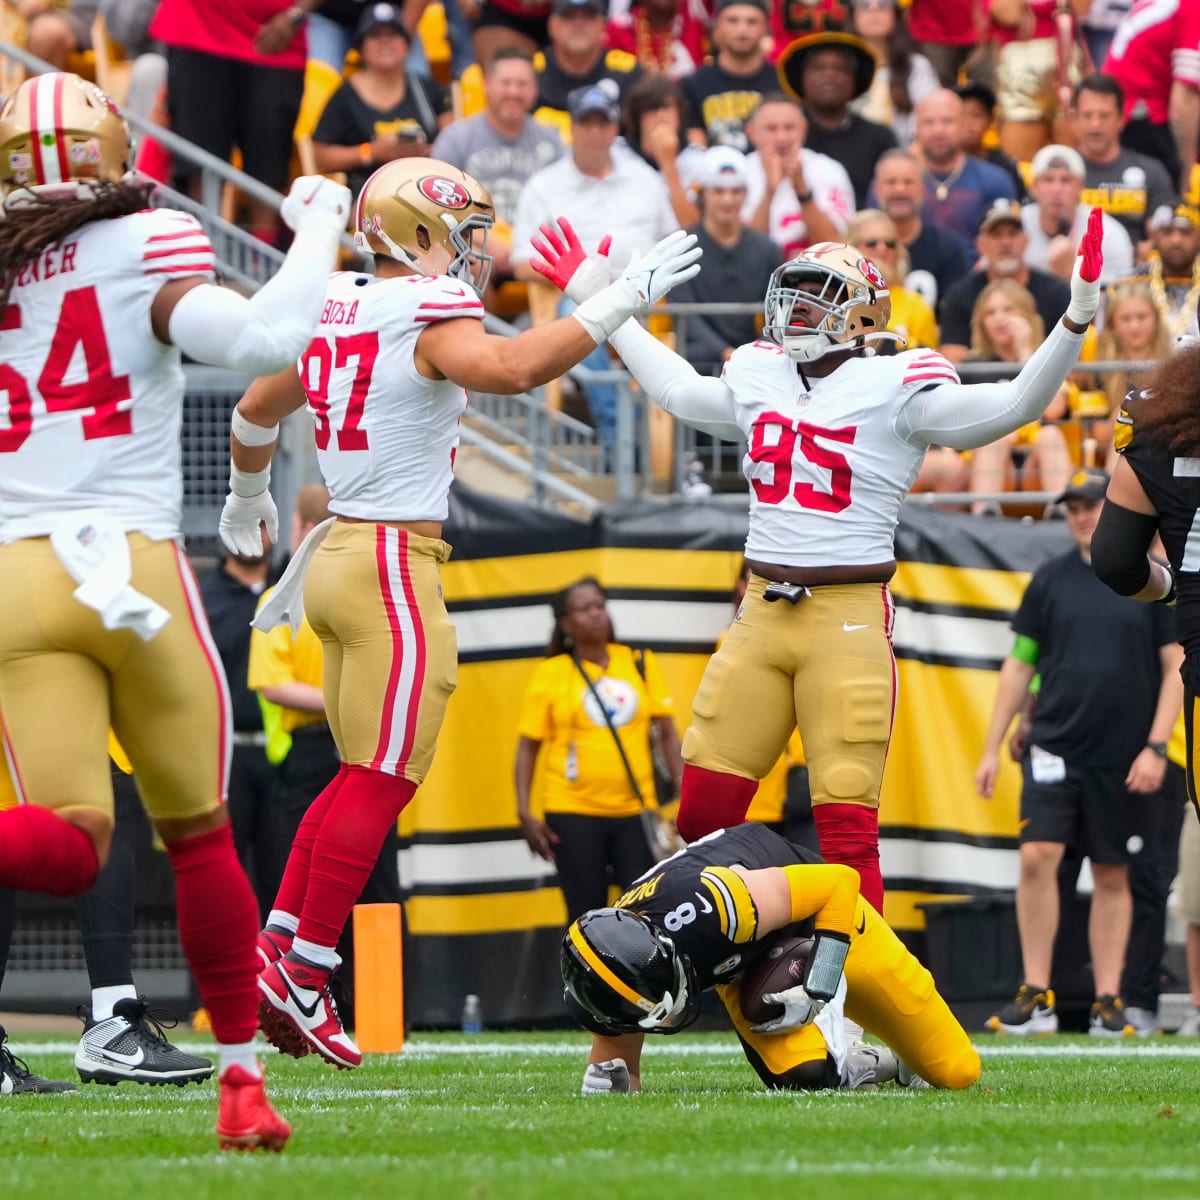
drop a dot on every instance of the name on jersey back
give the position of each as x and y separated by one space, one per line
56 260
338 312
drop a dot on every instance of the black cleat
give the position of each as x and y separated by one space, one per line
132 1047
15 1075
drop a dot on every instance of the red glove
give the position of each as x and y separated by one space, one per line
1085 280
1091 248
562 253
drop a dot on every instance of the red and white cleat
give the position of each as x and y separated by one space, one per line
245 1119
271 947
298 1015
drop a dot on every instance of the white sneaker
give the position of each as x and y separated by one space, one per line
605 1077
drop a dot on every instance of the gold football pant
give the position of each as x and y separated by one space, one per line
65 679
890 995
373 596
824 665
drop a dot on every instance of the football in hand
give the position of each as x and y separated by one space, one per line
783 965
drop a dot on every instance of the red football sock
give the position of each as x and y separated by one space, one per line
218 925
849 834
294 883
711 800
41 852
347 848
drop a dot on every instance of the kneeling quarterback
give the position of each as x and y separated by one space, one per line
705 917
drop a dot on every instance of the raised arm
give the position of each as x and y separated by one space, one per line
670 381
965 416
462 351
265 333
701 401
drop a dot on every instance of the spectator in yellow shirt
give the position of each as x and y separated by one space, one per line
591 813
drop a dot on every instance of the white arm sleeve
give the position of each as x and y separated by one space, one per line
964 416
674 385
267 332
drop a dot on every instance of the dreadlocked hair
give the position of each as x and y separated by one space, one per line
29 229
1167 410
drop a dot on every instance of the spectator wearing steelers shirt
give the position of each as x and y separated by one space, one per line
589 691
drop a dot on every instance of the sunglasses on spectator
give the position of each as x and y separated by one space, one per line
868 5
875 243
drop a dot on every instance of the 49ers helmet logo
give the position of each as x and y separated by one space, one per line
445 192
871 273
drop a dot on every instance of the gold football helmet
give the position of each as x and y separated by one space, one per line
429 216
58 135
828 298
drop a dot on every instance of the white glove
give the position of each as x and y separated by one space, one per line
645 281
799 1008
314 202
593 275
240 520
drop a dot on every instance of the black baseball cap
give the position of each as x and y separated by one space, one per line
1088 483
380 16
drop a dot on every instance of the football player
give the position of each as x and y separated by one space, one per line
836 437
385 380
100 616
704 917
1155 490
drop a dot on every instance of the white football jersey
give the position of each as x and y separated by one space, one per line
386 436
90 400
826 468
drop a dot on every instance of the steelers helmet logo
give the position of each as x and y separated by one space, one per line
445 192
619 700
871 273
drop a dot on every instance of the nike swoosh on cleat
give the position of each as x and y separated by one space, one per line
129 1060
309 1010
848 628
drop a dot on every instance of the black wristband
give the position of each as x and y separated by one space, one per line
1159 748
804 197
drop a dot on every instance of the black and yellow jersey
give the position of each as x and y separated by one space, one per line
1172 485
705 908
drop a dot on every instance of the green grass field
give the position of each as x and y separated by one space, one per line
499 1117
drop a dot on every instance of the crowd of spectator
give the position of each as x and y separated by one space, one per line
959 144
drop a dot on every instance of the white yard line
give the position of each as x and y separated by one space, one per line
703 1048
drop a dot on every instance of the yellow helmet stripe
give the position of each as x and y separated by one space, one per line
597 964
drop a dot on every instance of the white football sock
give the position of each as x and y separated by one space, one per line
244 1055
319 956
103 999
283 920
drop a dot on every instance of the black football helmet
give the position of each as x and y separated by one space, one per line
621 974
